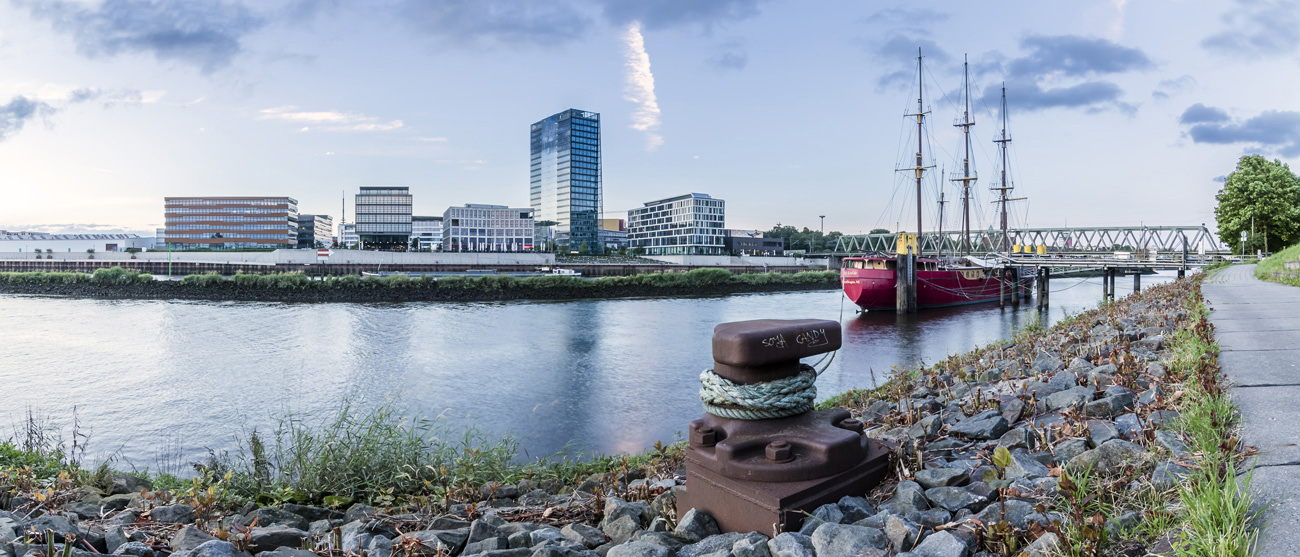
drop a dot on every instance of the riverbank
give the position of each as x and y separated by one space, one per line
118 283
469 483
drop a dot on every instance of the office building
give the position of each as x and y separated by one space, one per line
41 242
383 215
752 242
565 177
487 228
231 222
315 231
426 233
348 235
691 224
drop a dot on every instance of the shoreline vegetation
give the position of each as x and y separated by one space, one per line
1275 268
1121 440
117 282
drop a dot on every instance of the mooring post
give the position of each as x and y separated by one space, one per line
1002 288
1105 283
1015 287
1047 286
905 283
758 463
1137 282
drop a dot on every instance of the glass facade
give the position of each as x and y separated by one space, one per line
487 228
692 224
565 177
426 233
383 217
230 222
315 231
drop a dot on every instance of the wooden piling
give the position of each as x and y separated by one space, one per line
1137 282
1002 287
905 288
1047 286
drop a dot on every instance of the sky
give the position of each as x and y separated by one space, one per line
1121 112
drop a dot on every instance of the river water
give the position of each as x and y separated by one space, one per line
155 382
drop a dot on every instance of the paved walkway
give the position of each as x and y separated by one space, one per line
1257 324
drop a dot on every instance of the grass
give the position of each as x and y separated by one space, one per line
1274 268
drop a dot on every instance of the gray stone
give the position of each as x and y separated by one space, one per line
908 496
955 498
926 427
271 516
1024 466
638 549
1149 396
752 546
520 552
482 529
1069 398
446 542
561 551
1047 545
588 536
616 507
1128 425
1014 511
172 514
137 549
855 508
1110 406
547 535
185 539
941 544
1046 363
988 424
495 543
791 544
659 524
1069 449
1018 438
901 533
939 477
1100 431
696 525
271 537
1159 418
1080 364
1171 442
843 540
1167 475
1012 408
1108 457
116 536
712 544
1064 380
1124 522
59 524
622 528
673 543
216 548
122 501
126 483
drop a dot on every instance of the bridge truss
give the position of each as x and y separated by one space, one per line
1196 239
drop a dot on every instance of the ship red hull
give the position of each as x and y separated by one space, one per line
874 285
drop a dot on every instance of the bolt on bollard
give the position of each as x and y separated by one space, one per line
761 457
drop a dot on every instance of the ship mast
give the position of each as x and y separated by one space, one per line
966 180
920 167
1006 186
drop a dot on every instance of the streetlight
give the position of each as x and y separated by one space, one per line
823 217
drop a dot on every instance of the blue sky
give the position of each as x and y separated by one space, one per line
1122 112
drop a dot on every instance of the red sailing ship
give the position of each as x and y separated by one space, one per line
871 281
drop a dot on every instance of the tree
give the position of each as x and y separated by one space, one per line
1261 197
880 231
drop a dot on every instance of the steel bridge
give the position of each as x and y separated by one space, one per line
1150 240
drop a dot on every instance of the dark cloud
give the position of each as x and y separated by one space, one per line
1257 29
1074 56
918 18
663 14
730 56
900 52
1273 130
1170 87
1054 58
501 22
18 112
203 34
1201 114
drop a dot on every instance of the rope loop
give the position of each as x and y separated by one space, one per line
784 397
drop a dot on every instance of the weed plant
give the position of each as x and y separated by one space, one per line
1274 268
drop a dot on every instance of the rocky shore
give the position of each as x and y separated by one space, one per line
1060 440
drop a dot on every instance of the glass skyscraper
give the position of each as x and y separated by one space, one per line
564 177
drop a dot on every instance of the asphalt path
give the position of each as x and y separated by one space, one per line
1257 325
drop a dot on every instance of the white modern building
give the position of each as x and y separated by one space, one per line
315 231
480 228
348 235
691 224
426 233
33 242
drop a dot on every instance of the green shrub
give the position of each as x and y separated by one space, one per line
207 280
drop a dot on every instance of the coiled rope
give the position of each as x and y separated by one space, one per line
781 398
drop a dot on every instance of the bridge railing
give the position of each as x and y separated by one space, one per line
1195 239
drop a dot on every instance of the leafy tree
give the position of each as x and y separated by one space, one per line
1264 193
880 231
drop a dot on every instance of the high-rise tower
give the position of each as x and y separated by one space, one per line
565 177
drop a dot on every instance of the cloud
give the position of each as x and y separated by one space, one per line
902 32
206 35
1275 131
18 112
1074 56
328 120
730 56
1257 29
640 86
1167 88
1201 114
663 14
496 22
1038 79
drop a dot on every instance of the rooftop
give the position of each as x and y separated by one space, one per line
38 236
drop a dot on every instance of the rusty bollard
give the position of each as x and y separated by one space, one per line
762 475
